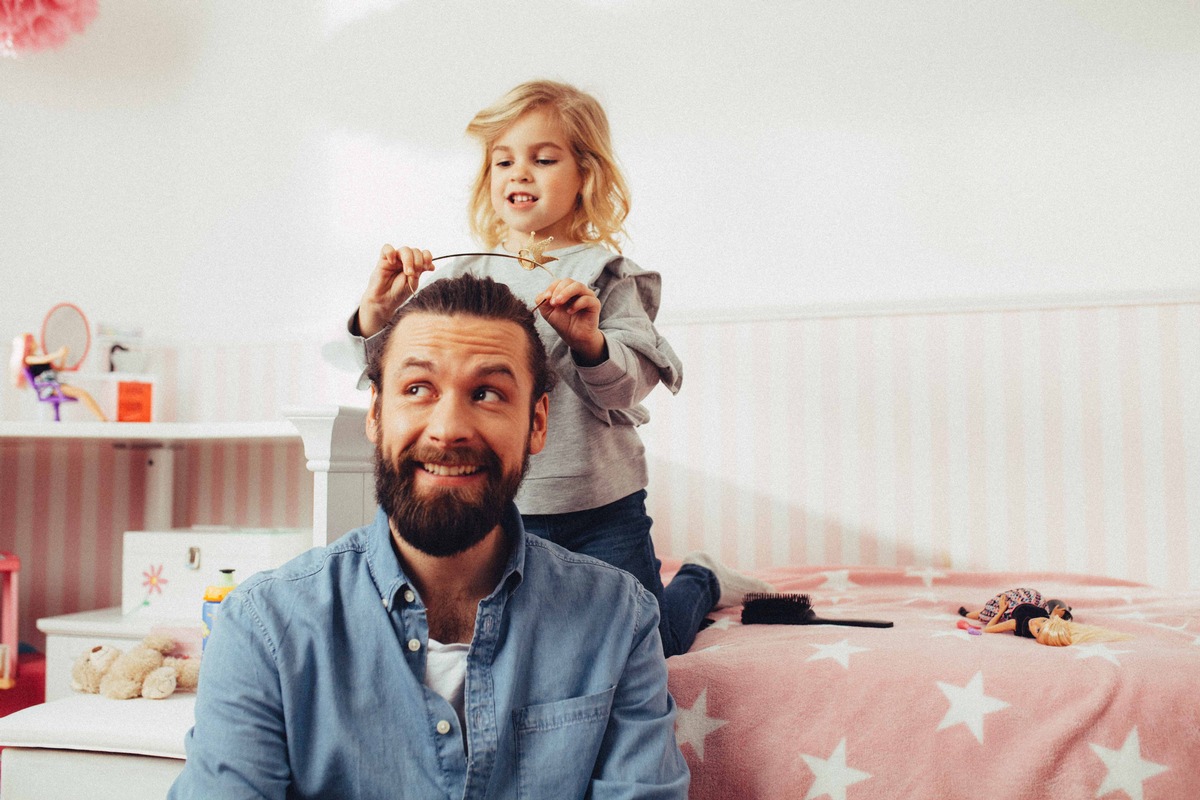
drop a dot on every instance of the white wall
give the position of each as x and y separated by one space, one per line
228 170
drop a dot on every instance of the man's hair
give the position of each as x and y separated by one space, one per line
474 297
603 202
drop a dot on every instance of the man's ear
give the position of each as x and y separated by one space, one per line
537 428
372 425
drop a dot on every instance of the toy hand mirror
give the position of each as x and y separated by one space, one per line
65 326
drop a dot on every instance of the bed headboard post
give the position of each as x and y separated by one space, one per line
341 459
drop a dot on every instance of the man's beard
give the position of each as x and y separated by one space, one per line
443 522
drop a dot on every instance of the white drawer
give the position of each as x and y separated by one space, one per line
164 573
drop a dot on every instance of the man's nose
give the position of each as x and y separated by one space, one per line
448 422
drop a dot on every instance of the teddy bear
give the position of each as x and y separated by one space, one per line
145 670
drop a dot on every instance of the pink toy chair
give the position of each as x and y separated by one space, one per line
10 568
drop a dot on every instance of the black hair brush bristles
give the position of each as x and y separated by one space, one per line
783 608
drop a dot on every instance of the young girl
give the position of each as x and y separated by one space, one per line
549 172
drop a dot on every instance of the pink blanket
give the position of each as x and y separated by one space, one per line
928 710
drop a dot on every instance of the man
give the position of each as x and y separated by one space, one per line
440 651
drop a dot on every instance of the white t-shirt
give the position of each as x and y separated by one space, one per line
446 674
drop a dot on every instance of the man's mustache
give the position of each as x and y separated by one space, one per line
451 456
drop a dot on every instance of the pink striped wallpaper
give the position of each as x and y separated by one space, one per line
1046 439
1064 439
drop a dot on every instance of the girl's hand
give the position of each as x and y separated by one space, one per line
573 310
393 281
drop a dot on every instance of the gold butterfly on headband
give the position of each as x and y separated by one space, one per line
532 256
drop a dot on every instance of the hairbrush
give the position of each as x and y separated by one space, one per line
783 608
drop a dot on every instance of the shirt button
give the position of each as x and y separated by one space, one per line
414 644
443 727
409 596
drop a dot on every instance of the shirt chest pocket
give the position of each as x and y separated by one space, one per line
557 744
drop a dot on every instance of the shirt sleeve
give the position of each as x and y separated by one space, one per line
359 345
639 358
237 749
640 757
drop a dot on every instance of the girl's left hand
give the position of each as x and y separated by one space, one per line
573 310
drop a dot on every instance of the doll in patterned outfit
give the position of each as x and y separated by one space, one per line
1050 627
999 608
1025 613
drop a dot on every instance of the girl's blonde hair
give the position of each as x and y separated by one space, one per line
1058 632
603 201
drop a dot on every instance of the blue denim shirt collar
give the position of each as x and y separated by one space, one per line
388 573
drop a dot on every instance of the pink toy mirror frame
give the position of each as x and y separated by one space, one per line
66 325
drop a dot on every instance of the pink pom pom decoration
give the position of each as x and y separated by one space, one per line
41 24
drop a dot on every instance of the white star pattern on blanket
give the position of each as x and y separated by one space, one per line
1127 770
926 574
968 705
922 597
837 580
832 775
839 652
693 725
1100 650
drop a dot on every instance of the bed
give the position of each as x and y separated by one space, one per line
927 710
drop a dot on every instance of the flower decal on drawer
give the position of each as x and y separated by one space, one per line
154 581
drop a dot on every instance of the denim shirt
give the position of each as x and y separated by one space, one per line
312 685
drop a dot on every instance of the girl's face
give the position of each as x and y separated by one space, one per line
535 180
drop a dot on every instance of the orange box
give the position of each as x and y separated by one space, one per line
135 401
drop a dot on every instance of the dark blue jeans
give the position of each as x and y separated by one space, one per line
619 534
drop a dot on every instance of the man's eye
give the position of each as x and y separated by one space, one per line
487 395
417 390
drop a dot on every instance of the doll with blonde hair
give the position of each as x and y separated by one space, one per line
999 608
549 178
1050 627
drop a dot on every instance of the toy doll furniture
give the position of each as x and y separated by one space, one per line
48 390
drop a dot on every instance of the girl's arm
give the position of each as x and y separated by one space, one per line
573 310
391 283
637 357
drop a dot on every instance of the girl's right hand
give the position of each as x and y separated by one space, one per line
393 281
